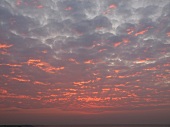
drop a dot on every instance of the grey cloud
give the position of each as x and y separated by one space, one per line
147 11
101 21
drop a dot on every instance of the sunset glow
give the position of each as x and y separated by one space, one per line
84 61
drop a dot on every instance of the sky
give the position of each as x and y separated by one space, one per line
84 61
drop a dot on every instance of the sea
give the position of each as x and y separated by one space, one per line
109 126
103 125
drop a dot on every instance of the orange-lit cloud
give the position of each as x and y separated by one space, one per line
102 50
109 76
81 83
40 6
43 66
116 71
89 62
141 32
90 99
130 31
69 8
18 2
73 60
39 83
151 69
168 34
11 65
3 91
44 51
125 40
3 49
117 44
4 46
21 79
112 6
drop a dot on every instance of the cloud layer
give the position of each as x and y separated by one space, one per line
85 55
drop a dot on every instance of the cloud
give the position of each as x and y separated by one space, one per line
90 56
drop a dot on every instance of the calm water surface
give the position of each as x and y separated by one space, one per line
86 126
107 126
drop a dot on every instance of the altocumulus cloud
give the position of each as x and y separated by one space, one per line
84 55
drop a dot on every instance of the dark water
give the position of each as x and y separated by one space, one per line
107 126
86 125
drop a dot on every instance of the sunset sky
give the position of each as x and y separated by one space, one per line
84 61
